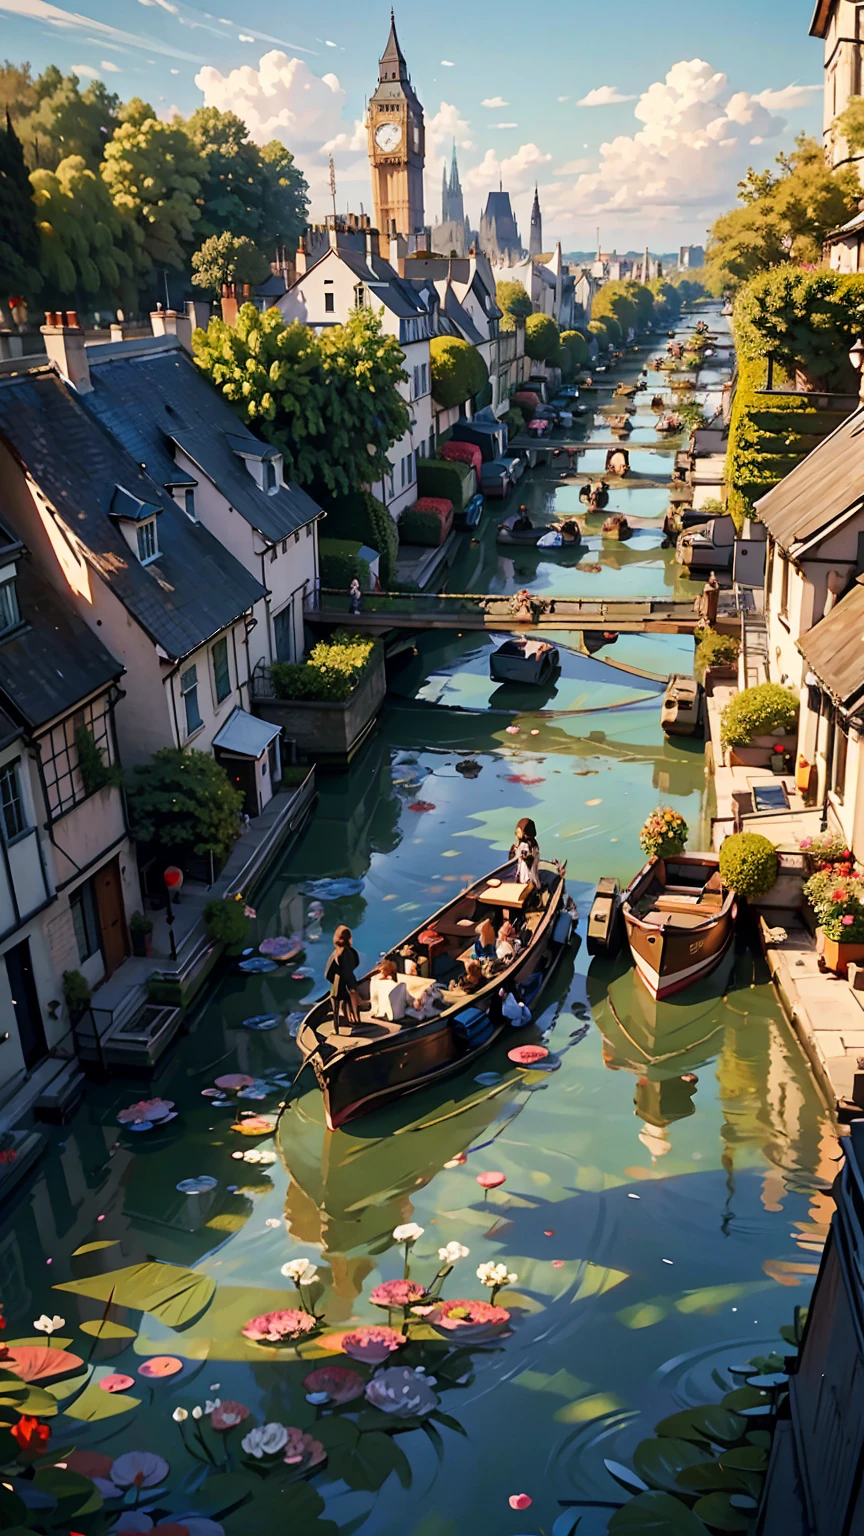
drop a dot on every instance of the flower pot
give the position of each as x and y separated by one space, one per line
142 943
838 956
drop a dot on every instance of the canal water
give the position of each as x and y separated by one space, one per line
666 1186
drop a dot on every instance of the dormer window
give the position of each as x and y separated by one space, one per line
148 545
269 468
9 612
189 504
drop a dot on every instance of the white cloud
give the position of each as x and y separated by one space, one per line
175 71
603 96
245 37
517 171
505 125
448 64
85 71
281 99
563 98
574 167
328 44
494 101
442 127
73 21
789 98
110 67
164 5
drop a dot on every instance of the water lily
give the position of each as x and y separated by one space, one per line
147 1111
31 1436
198 1413
303 1450
300 1270
471 1321
180 1415
402 1391
333 1384
408 1233
228 1415
210 1407
397 1293
276 1327
495 1275
452 1252
268 1440
49 1325
139 1469
371 1344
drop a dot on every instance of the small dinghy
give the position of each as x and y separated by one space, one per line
679 920
525 660
681 712
547 536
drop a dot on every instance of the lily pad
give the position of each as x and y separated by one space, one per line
199 1186
717 1511
262 1021
104 1328
746 1397
625 1477
655 1514
760 1437
40 1362
716 1424
74 1493
105 1242
710 1477
174 1295
259 965
747 1458
658 1462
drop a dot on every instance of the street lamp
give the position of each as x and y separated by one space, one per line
173 878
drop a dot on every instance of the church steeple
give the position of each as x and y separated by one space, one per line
391 65
535 240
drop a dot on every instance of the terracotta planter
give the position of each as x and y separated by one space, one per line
838 956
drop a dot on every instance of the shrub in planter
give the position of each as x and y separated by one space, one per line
713 650
76 994
825 849
428 522
527 402
461 453
756 712
330 674
339 564
140 929
227 922
748 864
446 481
664 833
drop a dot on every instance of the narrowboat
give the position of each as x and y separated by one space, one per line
524 660
709 548
679 920
434 1028
683 702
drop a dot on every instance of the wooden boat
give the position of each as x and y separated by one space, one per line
681 711
679 920
523 660
627 390
528 537
380 1060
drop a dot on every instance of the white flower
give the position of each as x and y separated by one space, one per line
409 1233
179 1415
495 1275
403 1392
451 1252
272 1221
266 1441
301 1271
211 1407
48 1325
197 1413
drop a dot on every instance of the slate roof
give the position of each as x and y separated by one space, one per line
395 294
146 399
53 661
827 483
834 649
196 587
456 311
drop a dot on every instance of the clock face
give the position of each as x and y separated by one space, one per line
388 136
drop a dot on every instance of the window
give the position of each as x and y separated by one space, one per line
841 748
221 670
9 614
12 822
269 475
189 504
360 296
148 549
189 693
329 303
783 607
85 920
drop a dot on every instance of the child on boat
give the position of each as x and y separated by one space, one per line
340 971
508 945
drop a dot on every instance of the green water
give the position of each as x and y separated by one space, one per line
659 1229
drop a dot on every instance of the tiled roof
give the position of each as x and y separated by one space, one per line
53 661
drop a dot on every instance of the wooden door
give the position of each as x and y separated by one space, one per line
112 919
25 1004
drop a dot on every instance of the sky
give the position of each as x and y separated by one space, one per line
634 118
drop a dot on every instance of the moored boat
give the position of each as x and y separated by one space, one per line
679 920
380 1059
524 660
681 711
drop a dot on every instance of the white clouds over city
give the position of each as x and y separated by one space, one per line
602 96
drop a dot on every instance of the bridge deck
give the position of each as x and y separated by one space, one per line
470 611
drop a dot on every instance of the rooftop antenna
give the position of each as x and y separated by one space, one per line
333 184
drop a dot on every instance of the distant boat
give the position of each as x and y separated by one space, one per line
679 920
522 660
681 711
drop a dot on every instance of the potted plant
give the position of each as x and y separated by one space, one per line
227 922
839 906
664 833
76 995
748 864
141 930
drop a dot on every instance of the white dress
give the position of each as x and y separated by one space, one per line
527 865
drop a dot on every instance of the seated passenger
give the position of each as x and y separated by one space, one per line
508 944
473 979
386 969
484 944
523 523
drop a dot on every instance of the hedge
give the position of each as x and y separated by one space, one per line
447 481
339 562
330 673
417 526
757 712
362 517
542 339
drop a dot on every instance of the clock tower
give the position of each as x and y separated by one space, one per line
397 145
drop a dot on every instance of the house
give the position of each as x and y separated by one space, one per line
838 24
467 308
163 594
499 233
68 875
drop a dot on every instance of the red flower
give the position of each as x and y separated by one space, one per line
838 896
32 1437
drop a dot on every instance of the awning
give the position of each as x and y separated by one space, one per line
834 649
245 735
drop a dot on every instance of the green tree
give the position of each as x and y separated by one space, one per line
458 371
84 244
805 320
153 174
615 302
17 89
849 125
227 259
606 332
513 301
184 803
67 121
641 296
330 403
245 189
574 353
667 299
783 218
542 339
19 239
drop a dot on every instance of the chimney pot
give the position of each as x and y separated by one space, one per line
72 319
65 347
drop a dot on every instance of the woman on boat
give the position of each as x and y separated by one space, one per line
341 973
526 852
484 944
586 491
601 496
386 969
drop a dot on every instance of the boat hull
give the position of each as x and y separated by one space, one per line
534 670
669 959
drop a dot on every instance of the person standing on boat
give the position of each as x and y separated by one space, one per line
341 973
526 852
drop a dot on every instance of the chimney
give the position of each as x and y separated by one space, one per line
64 343
167 322
198 313
117 329
397 254
230 307
301 262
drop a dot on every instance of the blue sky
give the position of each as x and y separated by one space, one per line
683 106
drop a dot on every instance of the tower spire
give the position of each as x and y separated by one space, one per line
392 65
535 240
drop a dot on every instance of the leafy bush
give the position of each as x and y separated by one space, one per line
514 421
361 516
574 353
713 649
458 370
838 902
826 848
94 771
527 402
664 833
462 453
76 993
512 299
339 563
331 672
756 712
227 922
806 319
184 802
542 339
422 525
748 863
446 480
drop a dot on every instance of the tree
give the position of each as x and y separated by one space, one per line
805 320
184 802
19 239
667 299
542 339
512 299
783 217
614 300
152 172
574 350
67 121
225 259
641 296
85 248
249 190
330 403
849 125
606 332
17 89
458 370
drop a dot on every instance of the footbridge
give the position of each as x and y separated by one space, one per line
383 611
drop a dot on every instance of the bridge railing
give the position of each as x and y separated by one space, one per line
489 608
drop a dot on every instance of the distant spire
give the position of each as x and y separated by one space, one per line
535 239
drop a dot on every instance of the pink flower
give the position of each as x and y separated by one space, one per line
227 1415
275 1327
848 920
336 1383
371 1345
470 1320
491 1180
302 1450
806 842
520 1501
397 1293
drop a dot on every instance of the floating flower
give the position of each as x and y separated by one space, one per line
520 1501
160 1365
151 1111
333 1384
301 1271
512 730
453 1252
303 1450
116 1382
268 1440
402 1391
210 1407
180 1415
471 1320
409 1233
228 1415
491 1180
371 1344
276 1327
397 1293
49 1325
527 1055
233 1080
31 1436
495 1275
139 1469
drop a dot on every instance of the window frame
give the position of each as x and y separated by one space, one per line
11 773
189 503
146 534
8 584
329 301
269 477
189 692
217 669
85 921
839 758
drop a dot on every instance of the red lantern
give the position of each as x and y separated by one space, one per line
173 877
